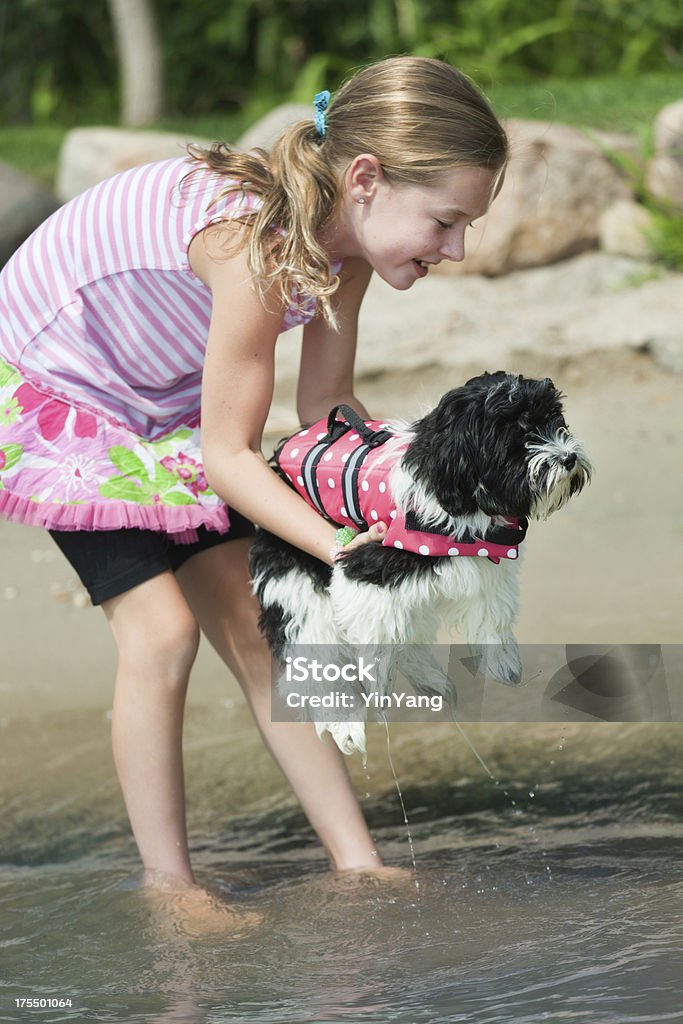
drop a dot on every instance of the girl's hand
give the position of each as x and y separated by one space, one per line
374 534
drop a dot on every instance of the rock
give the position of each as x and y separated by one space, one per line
23 205
666 348
623 230
619 147
593 307
89 155
664 180
265 131
557 184
664 177
534 321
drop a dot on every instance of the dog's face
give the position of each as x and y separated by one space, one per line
499 445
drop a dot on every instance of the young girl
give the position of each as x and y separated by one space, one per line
153 302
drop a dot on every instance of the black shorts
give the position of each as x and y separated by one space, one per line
109 562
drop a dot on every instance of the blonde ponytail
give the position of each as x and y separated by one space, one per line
299 194
420 117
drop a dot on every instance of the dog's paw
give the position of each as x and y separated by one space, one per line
500 661
349 736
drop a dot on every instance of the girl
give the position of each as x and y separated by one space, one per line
153 302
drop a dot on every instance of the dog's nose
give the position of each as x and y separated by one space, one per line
569 461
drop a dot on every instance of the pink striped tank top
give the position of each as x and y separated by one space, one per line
103 330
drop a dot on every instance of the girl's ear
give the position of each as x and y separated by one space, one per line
363 175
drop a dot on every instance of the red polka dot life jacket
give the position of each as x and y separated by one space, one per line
342 468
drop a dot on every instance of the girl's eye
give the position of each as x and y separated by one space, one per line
442 224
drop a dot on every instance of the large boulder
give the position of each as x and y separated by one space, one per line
264 132
557 184
89 155
625 228
23 205
664 177
593 308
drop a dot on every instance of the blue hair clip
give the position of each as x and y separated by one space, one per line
321 102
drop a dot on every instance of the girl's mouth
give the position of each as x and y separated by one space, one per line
421 267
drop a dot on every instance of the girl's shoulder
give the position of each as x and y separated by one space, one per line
220 193
210 198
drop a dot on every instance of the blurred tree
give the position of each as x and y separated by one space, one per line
140 63
58 59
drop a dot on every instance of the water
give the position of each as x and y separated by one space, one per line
564 905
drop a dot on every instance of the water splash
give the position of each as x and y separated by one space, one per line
517 811
403 808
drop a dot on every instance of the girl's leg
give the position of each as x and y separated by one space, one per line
216 584
157 638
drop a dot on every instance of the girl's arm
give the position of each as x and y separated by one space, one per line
237 391
327 357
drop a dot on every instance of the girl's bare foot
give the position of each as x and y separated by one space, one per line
379 874
186 909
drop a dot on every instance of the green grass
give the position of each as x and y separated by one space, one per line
33 149
610 103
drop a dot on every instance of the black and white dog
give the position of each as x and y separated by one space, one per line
461 482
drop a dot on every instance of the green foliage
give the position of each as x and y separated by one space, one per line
561 37
666 235
33 148
610 102
57 58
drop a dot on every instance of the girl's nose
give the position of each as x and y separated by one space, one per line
454 247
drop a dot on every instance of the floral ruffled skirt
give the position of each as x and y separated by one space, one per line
68 467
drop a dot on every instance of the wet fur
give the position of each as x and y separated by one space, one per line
497 446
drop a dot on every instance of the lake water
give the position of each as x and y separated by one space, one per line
553 894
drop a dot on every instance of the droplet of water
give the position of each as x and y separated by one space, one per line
403 808
532 794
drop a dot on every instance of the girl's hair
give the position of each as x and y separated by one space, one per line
418 116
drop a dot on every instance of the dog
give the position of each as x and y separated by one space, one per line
457 488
